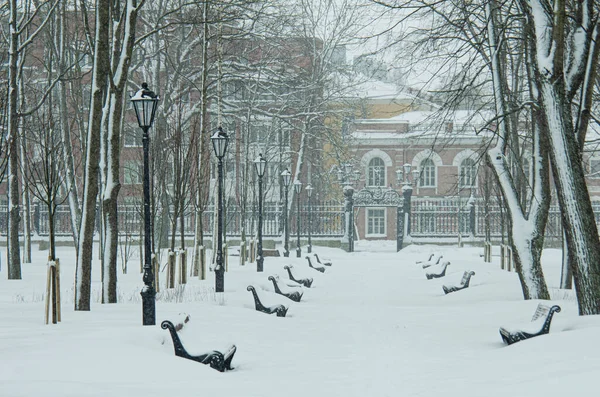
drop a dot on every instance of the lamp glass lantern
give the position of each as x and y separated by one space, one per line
286 175
309 190
219 141
145 103
415 174
340 175
407 168
399 175
297 186
260 165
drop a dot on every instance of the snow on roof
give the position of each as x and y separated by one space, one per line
375 89
456 117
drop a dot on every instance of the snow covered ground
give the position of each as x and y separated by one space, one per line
372 325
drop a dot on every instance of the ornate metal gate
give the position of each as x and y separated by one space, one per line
386 197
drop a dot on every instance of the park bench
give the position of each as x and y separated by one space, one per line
464 283
293 295
428 260
437 273
539 325
326 262
217 360
434 261
319 269
280 310
307 282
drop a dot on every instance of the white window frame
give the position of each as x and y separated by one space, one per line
472 177
367 217
371 173
423 173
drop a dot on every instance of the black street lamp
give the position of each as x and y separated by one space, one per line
145 103
219 141
260 164
309 190
345 178
407 191
298 189
286 177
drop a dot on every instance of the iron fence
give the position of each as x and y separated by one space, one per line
447 217
327 220
430 217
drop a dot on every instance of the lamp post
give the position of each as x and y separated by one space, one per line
145 103
286 177
219 141
298 189
471 207
345 178
309 190
260 164
407 191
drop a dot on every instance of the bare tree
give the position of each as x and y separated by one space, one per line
99 91
122 38
22 33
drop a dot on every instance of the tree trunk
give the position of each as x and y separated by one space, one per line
14 217
65 134
83 270
526 231
580 228
26 211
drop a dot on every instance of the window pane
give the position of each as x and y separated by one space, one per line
468 173
376 221
427 173
376 172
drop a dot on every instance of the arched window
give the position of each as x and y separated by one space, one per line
376 172
468 173
427 168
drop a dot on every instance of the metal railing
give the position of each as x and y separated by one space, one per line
447 217
327 220
430 217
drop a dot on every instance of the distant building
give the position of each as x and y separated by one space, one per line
444 158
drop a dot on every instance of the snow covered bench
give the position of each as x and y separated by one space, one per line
215 359
307 282
464 283
434 260
280 310
293 295
437 273
539 325
317 268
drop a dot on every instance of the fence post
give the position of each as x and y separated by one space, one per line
226 256
252 251
171 269
348 238
156 267
58 308
242 253
399 228
502 255
487 251
52 301
508 257
202 255
182 266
